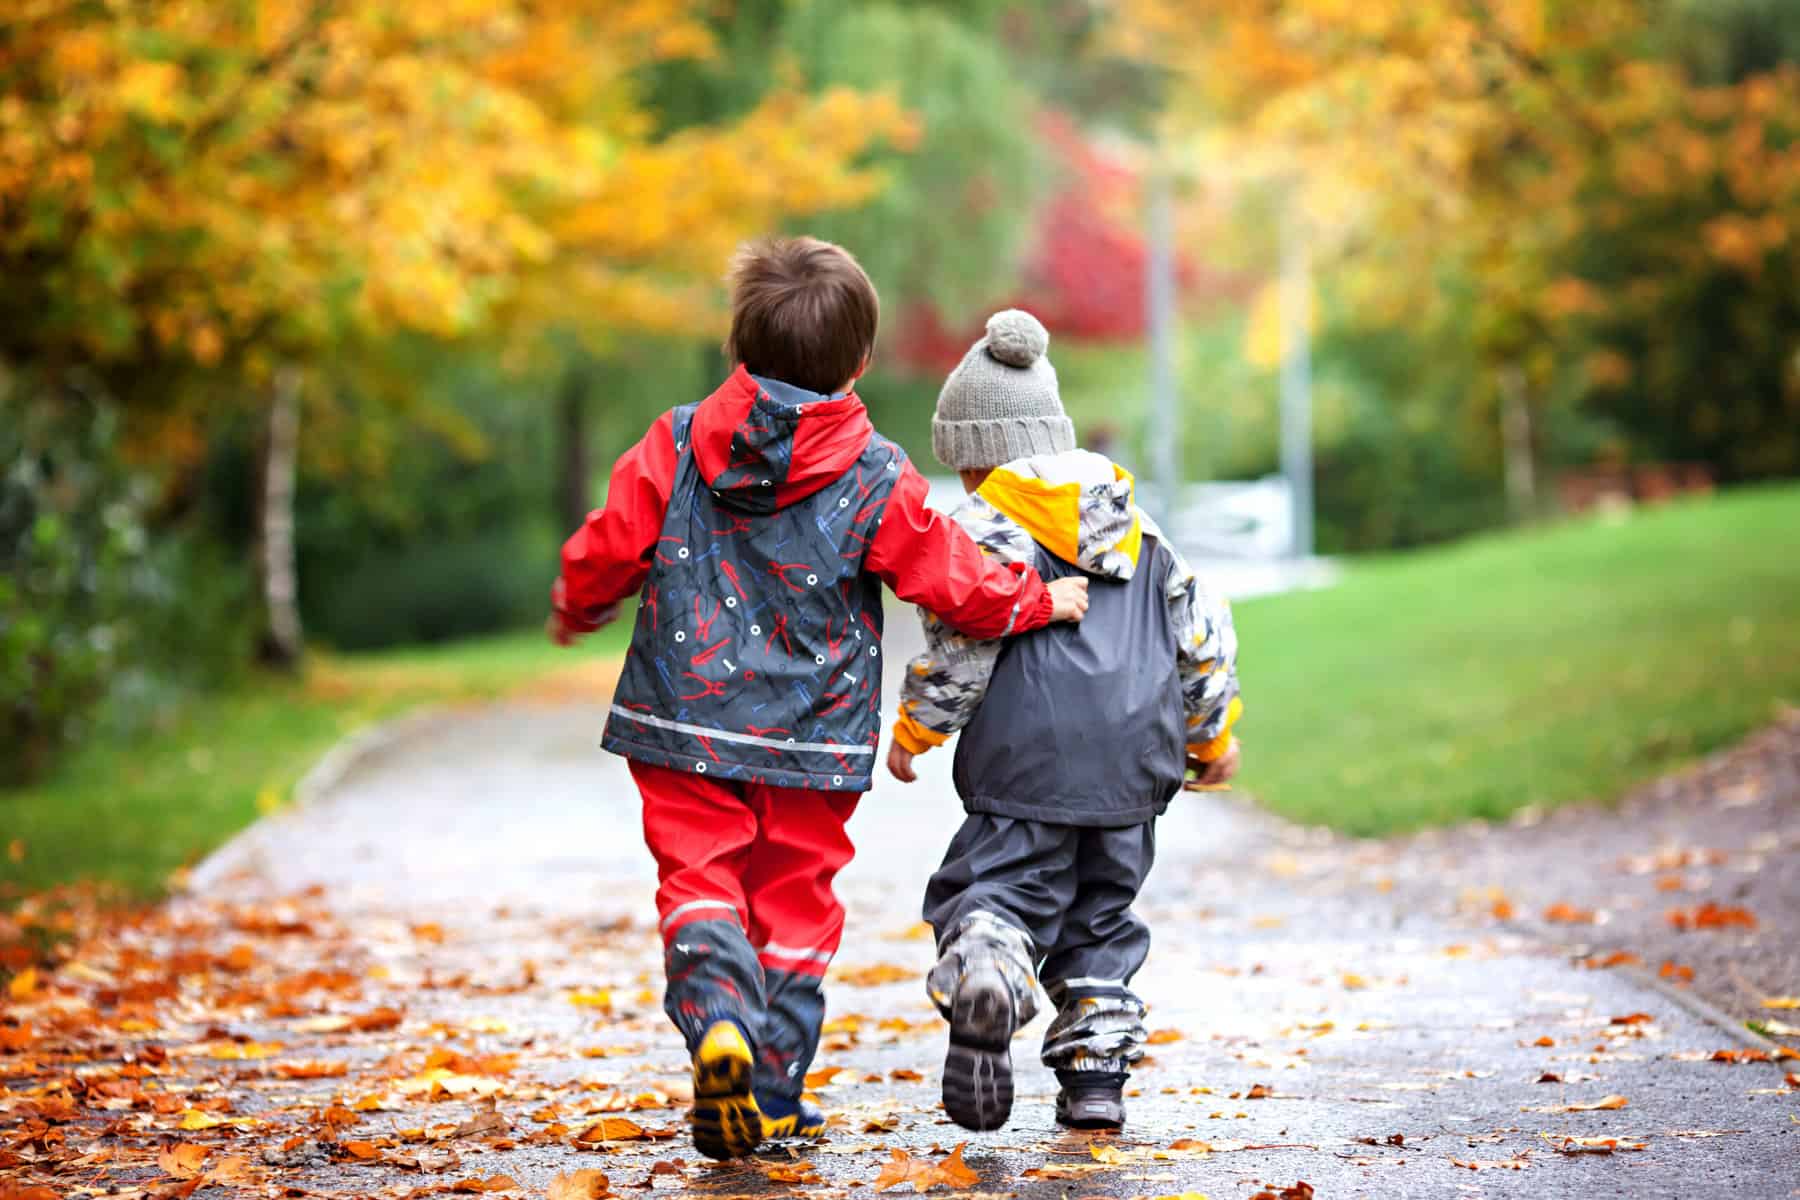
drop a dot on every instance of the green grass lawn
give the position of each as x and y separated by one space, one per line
131 813
1542 667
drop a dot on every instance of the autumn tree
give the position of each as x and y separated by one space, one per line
1569 159
207 203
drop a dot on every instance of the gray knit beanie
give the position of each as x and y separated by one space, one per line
1001 402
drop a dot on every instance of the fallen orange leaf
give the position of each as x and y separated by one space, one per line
1781 1002
1163 1037
311 1070
1618 958
1568 914
923 1175
1604 1104
241 958
1300 1191
613 1129
1710 916
579 1185
1487 1164
184 1160
1591 1145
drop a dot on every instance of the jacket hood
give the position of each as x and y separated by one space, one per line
760 452
1077 505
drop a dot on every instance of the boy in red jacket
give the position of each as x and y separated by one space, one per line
760 525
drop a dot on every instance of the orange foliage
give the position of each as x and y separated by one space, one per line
231 185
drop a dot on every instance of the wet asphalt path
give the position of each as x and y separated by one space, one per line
1310 1027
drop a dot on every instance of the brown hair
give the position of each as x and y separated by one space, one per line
802 311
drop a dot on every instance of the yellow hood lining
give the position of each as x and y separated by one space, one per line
1051 512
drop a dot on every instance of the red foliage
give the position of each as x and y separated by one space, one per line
1084 276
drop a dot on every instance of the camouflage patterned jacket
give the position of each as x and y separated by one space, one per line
1151 677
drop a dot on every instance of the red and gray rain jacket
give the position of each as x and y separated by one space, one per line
759 525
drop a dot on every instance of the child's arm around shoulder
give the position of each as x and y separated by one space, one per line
944 686
609 557
928 560
1206 659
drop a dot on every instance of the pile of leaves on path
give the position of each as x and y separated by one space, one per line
160 1052
254 1047
278 1048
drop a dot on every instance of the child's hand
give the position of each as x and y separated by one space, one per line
900 763
1218 772
1069 598
565 626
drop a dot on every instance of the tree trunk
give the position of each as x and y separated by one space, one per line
1515 433
574 462
282 640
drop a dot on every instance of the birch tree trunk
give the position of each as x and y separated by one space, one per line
1515 433
282 639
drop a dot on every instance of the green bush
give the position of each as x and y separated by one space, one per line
432 591
71 544
440 531
102 614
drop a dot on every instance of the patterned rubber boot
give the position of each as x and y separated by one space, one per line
978 1083
1095 1105
783 1118
727 1123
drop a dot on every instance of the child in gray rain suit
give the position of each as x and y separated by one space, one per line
1074 740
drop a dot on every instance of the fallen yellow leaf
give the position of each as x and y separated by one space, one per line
873 976
1782 1002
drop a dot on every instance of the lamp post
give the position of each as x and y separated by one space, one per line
1159 308
1296 376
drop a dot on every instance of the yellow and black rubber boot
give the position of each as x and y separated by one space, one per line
783 1118
727 1122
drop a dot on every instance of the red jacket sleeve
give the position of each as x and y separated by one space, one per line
930 561
609 557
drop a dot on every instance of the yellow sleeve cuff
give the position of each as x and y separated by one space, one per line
915 738
1215 749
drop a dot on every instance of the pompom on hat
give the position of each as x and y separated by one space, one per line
1001 402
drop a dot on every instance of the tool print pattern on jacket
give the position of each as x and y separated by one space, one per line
761 530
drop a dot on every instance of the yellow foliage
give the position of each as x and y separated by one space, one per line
1412 132
228 183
